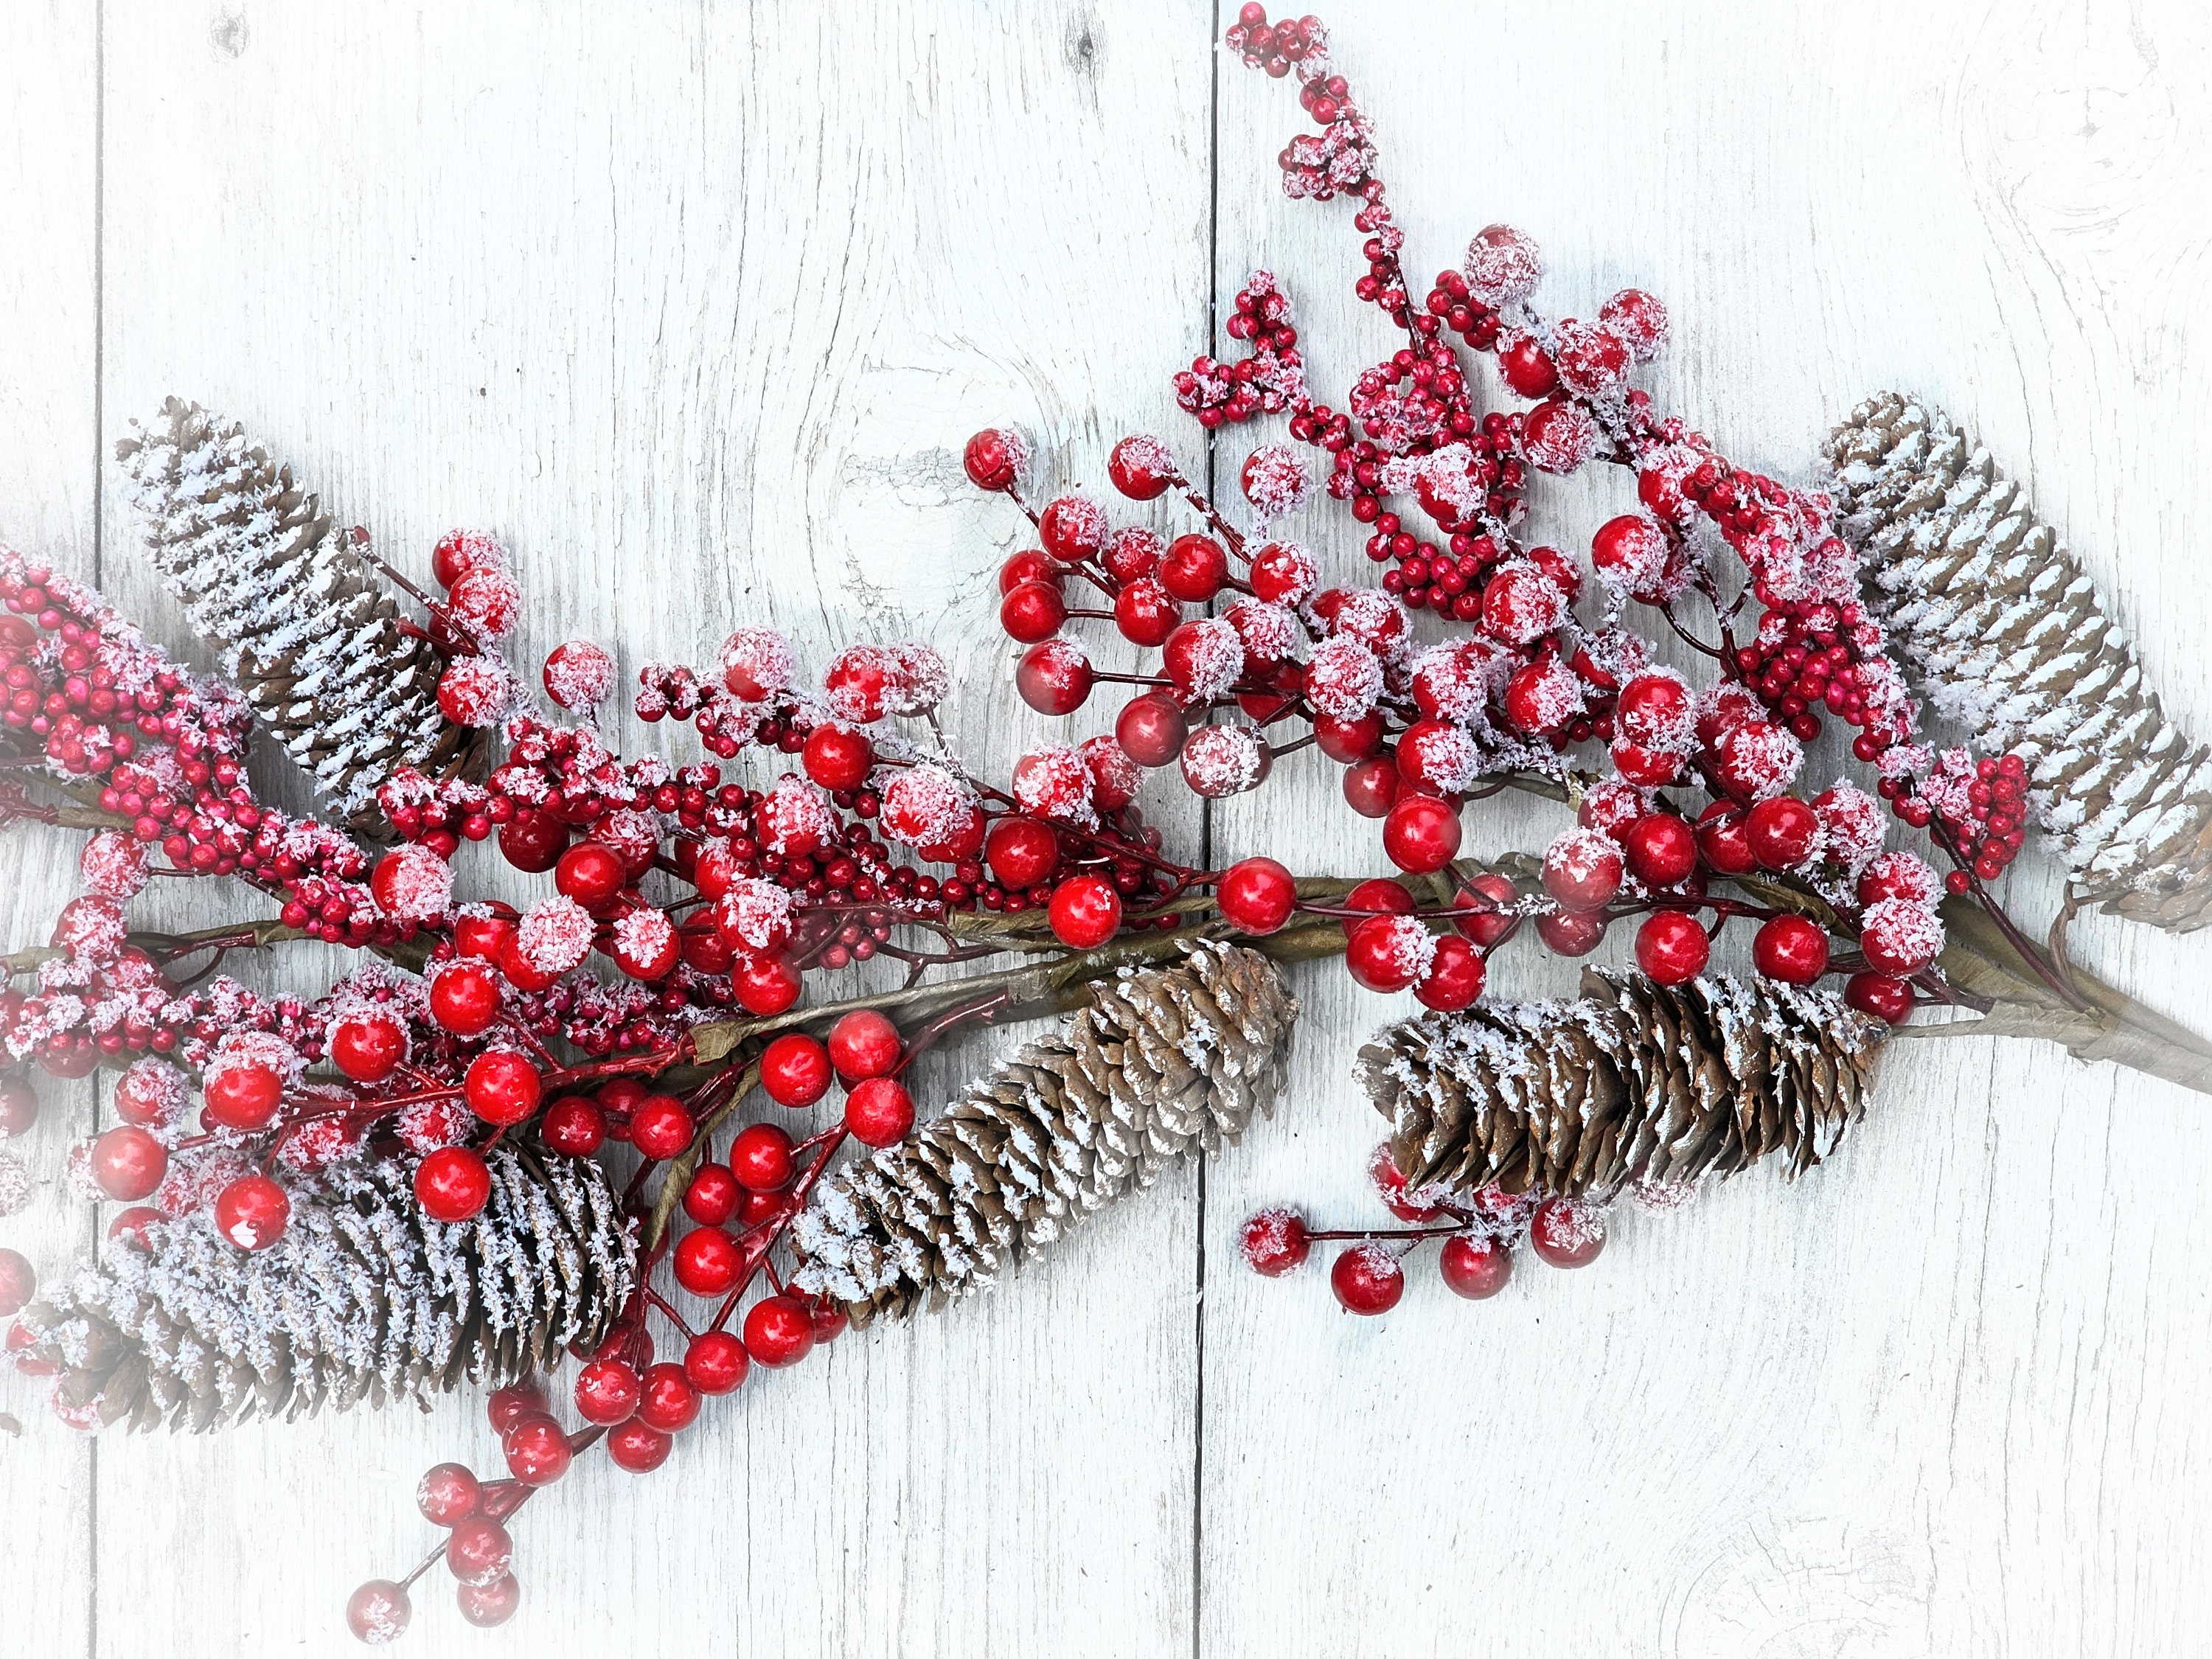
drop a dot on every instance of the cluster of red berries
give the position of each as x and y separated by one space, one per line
1278 48
1475 1259
1268 380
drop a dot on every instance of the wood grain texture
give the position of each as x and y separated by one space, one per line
695 304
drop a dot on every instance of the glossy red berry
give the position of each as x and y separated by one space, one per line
1073 529
1571 933
446 1492
537 1451
993 458
252 1213
1378 896
607 1392
1660 849
1346 741
638 1447
766 986
1672 948
19 1104
795 1070
533 841
502 1087
464 997
669 1401
1527 369
127 1163
244 1097
572 1127
865 1044
1476 1264
1886 997
1583 870
1488 899
489 1606
1388 953
1368 1279
505 1407
1256 896
1790 949
1021 852
661 1127
715 1362
1724 840
1566 1232
779 1331
839 757
379 1612
1275 1242
761 1158
1151 729
1085 912
706 1262
1782 831
1031 565
591 873
1146 613
1141 468
1456 975
1054 678
1420 833
367 1047
878 1112
452 1184
1195 568
478 1550
1029 612
1372 785
712 1195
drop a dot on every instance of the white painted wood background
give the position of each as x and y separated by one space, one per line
695 305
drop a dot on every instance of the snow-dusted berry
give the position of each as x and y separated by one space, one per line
412 884
1757 759
1899 938
925 804
113 865
1503 266
1203 658
1141 467
579 674
1389 953
554 935
756 664
796 818
1640 320
1283 573
920 683
1218 761
1521 602
486 602
1558 437
1275 480
1343 679
1054 782
1583 870
477 690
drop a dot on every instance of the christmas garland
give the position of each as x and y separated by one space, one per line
409 1182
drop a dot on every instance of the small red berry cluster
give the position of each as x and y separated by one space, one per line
1475 1258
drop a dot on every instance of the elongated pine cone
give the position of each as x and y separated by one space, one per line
363 1299
306 629
1636 1081
1159 1065
2009 638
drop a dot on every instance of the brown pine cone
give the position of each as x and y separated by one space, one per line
1637 1082
2009 637
363 1299
1160 1065
304 627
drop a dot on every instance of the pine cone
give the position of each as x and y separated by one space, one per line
2012 639
363 1298
304 627
1161 1064
1637 1082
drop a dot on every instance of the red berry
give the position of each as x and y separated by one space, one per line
1073 529
19 1105
502 1087
778 1331
537 1452
1030 611
1195 568
18 1283
1256 896
838 756
638 1447
1144 612
1672 947
795 1070
830 1321
1085 912
1054 678
478 1550
1566 1232
1886 999
1781 832
578 674
1527 369
1367 1279
1346 741
379 1612
1488 898
878 1112
715 1362
452 1184
1898 938
607 1392
465 998
1660 849
1371 787
661 1127
1724 839
761 1158
669 1402
1791 950
706 1262
590 873
863 1045
1476 1264
1151 729
712 1195
128 1164
244 1097
367 1047
252 1213
1029 566
1571 933
533 841
1132 553
1388 953
1378 896
766 986
1583 870
1421 834
1141 468
993 458
446 1492
1022 852
572 1127
489 1606
505 1407
1274 1242
1455 977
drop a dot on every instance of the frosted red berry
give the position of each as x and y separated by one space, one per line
572 1127
1583 870
1455 976
537 1451
993 458
668 1402
379 1612
1389 953
1073 529
252 1211
1274 1242
18 1283
638 1447
1367 1279
478 1550
607 1392
1566 1232
1476 1264
128 1164
1054 678
446 1492
1142 468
